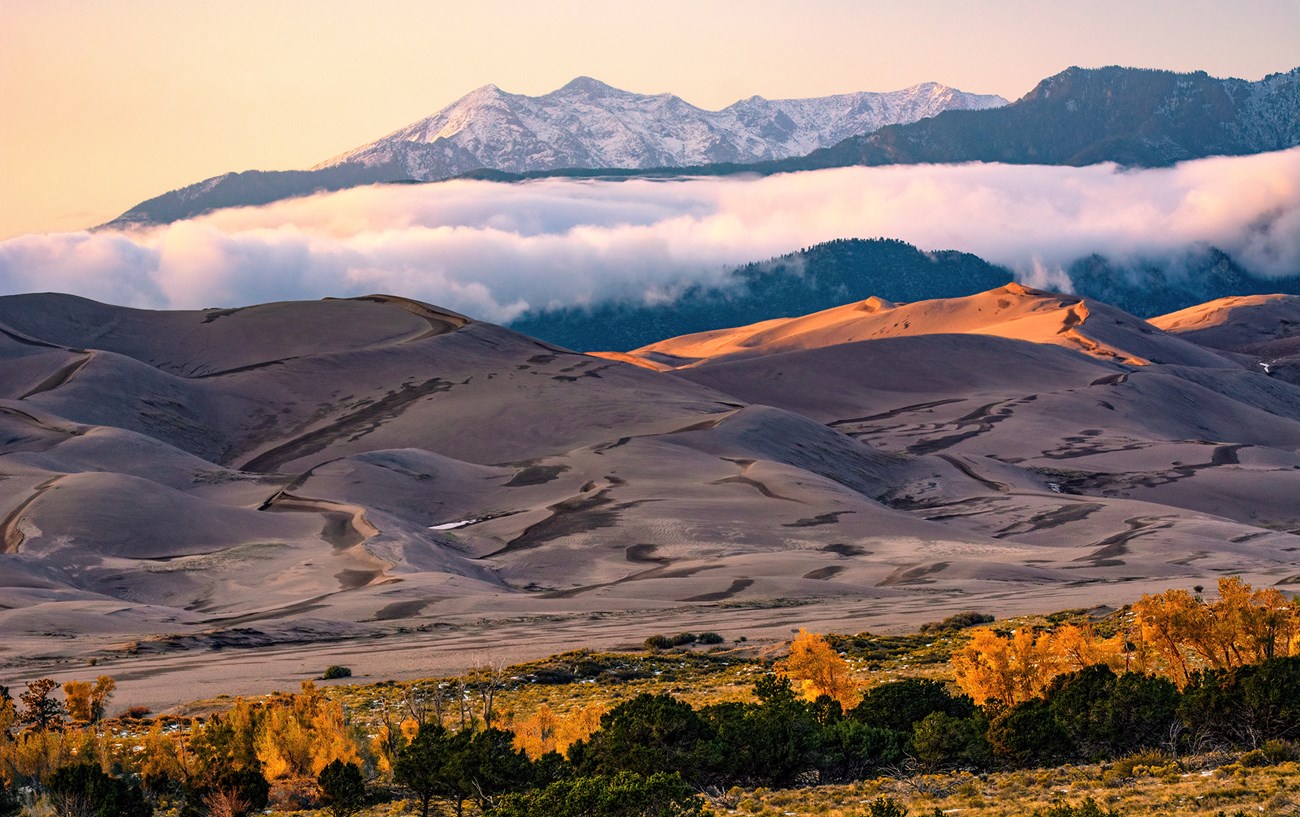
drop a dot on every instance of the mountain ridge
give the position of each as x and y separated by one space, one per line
588 123
585 123
1131 116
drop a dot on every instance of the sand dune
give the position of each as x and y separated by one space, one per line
333 472
1013 311
1265 328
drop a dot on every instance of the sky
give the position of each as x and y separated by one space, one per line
105 103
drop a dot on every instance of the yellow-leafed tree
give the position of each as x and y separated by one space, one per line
1077 648
1006 670
536 734
547 731
819 670
86 702
300 737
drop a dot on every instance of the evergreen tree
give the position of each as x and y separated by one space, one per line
424 766
343 788
97 794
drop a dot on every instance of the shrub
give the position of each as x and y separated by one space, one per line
135 713
941 740
1136 764
236 792
1279 751
850 749
343 788
648 734
664 642
1270 754
620 795
85 789
336 671
658 642
8 803
1254 759
900 704
771 743
1106 714
958 621
710 638
1246 704
1028 734
885 807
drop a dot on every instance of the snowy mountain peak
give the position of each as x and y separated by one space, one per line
586 85
589 124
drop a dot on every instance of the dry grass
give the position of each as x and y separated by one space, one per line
1162 792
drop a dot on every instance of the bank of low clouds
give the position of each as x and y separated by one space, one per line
494 250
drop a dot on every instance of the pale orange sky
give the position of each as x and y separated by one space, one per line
104 103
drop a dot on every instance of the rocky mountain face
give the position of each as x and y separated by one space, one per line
1083 116
585 124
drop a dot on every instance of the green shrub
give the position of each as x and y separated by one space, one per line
710 638
95 794
900 704
336 671
958 621
885 807
343 788
8 802
664 642
1028 734
940 740
1271 753
619 795
1152 759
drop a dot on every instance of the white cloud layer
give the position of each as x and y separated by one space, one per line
493 250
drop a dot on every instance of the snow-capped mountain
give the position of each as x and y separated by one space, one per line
588 124
585 124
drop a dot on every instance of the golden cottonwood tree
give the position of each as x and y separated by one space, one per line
820 670
1243 626
299 737
86 702
1174 634
1007 670
547 731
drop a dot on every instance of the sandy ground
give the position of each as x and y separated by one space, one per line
433 647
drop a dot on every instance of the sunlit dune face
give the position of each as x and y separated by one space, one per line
1015 312
496 250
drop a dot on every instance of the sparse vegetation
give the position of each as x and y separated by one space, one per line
335 671
818 731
